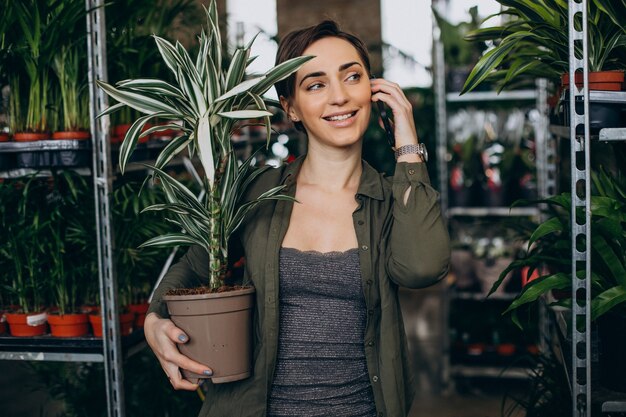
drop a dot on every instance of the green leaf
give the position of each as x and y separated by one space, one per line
535 288
151 85
176 146
204 142
549 226
244 114
241 88
170 240
607 300
140 102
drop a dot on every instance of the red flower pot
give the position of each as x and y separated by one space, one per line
505 349
30 136
120 132
140 311
4 137
126 323
71 135
601 80
27 325
68 325
3 323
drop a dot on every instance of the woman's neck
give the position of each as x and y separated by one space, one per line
335 171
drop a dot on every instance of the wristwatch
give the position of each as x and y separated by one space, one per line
419 149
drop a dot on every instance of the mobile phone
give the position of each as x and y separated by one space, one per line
383 115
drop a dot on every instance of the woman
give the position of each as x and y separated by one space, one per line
329 338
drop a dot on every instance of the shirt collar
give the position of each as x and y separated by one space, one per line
370 186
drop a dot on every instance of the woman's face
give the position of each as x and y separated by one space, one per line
332 95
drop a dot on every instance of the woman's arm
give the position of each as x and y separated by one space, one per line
161 333
419 246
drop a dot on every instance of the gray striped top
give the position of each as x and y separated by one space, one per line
321 368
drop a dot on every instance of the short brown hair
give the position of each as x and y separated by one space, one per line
295 43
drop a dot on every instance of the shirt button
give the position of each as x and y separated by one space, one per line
370 343
370 312
364 247
369 282
361 222
411 171
380 414
375 378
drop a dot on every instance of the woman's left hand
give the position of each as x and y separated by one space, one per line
392 95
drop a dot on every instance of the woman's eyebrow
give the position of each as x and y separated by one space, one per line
342 67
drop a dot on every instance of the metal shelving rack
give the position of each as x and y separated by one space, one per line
109 349
545 178
581 180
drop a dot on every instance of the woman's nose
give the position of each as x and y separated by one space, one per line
338 94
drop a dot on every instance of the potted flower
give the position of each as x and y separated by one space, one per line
209 99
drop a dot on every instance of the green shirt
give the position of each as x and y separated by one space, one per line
399 245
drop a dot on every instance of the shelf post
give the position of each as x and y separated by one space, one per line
581 197
112 347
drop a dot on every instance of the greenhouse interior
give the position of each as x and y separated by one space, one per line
131 130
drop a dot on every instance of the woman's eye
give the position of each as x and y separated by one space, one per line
315 86
354 77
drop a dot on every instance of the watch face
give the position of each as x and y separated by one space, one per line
423 152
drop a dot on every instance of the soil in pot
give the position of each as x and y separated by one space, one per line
68 325
219 326
27 325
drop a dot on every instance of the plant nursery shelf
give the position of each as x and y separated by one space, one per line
48 348
489 372
478 96
493 211
45 145
27 172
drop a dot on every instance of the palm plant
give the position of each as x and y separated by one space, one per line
209 100
533 42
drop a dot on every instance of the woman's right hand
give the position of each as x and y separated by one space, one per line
162 336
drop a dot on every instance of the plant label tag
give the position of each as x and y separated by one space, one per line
37 319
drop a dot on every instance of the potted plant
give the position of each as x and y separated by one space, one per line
533 43
209 99
66 236
550 245
136 268
22 252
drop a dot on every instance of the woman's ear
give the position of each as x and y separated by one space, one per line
288 109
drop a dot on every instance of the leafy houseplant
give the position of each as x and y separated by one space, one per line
209 100
550 245
533 42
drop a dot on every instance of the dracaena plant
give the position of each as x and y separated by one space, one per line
533 42
550 245
209 100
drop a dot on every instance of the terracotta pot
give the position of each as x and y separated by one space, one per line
126 323
505 349
68 325
30 136
4 137
19 324
219 327
601 80
120 132
3 323
140 311
71 135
